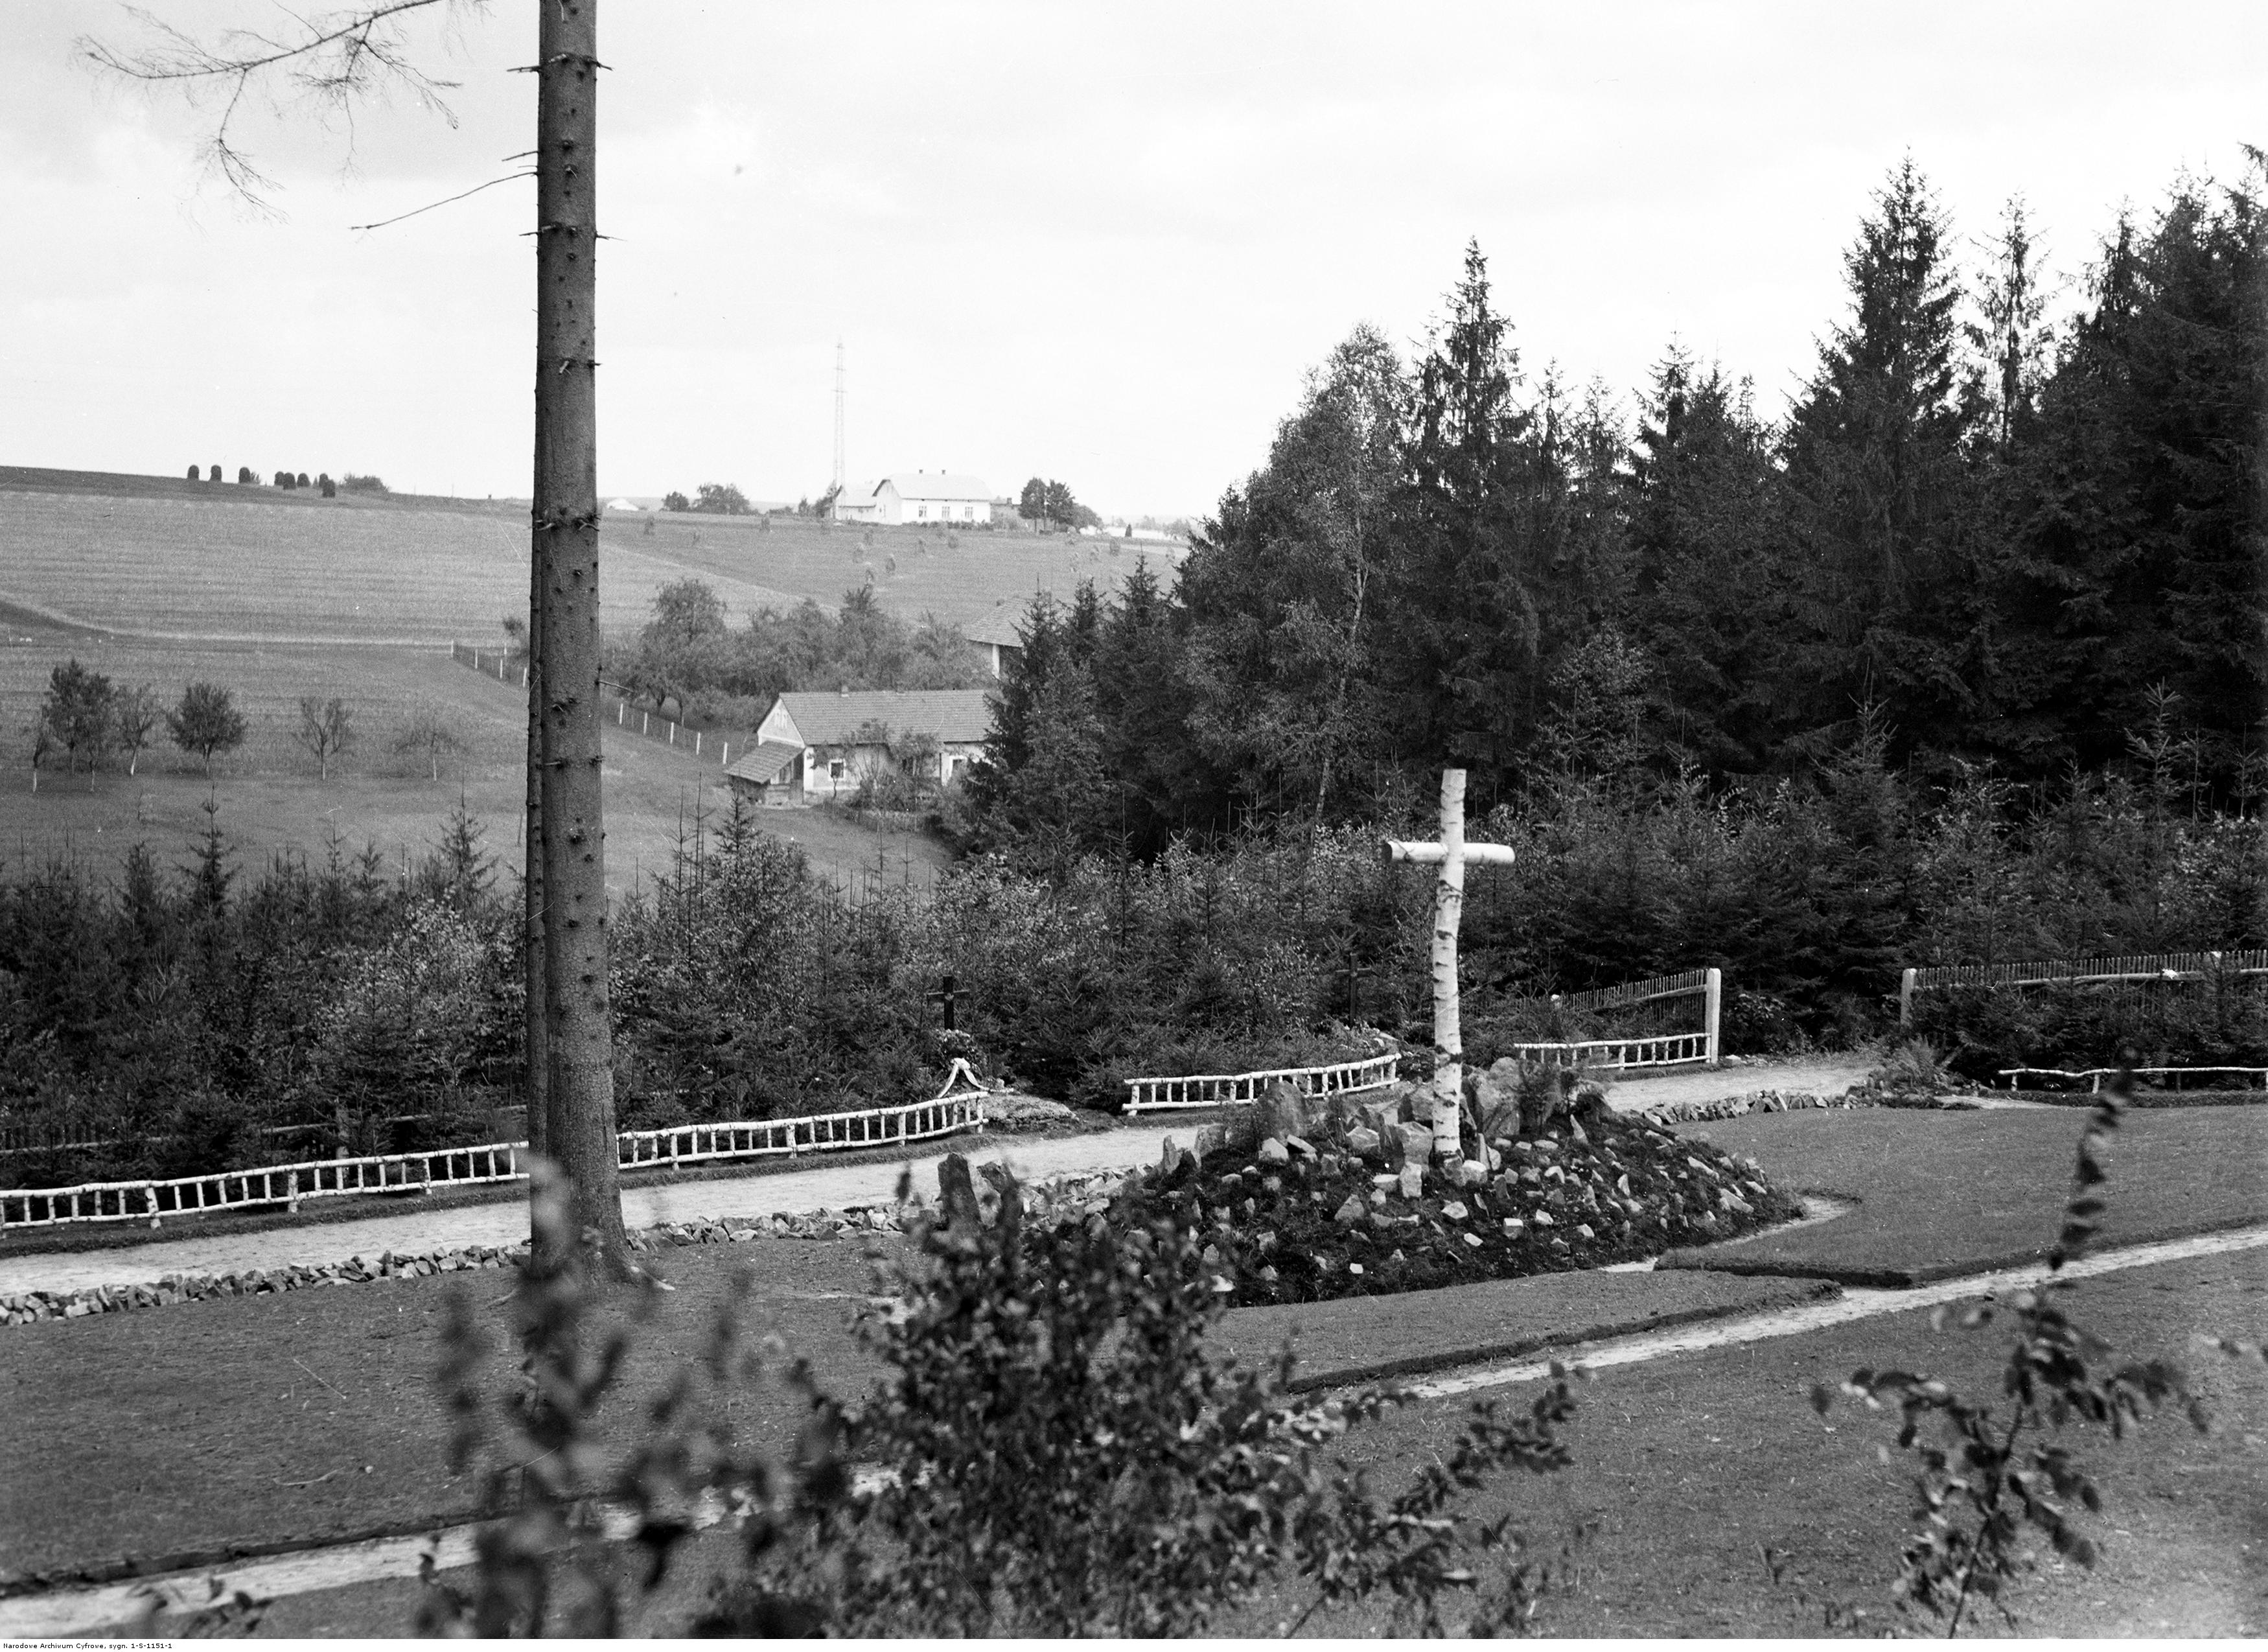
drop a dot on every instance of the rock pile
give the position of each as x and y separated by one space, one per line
1352 1199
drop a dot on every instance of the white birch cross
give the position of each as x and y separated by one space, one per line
1452 854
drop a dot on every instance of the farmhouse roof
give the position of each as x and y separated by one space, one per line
766 763
939 484
858 493
953 715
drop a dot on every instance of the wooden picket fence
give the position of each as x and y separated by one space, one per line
2134 969
288 1184
694 742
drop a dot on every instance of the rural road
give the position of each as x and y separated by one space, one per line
787 1192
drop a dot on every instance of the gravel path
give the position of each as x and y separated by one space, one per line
775 1193
407 1232
1821 1075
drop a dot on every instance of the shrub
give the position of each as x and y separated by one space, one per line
300 481
244 476
195 473
216 473
354 484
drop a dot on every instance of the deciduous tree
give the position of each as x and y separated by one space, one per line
135 721
77 710
326 728
206 723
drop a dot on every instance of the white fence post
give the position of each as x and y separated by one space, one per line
1906 998
1715 1016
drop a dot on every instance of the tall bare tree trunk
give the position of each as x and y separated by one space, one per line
535 1023
578 1033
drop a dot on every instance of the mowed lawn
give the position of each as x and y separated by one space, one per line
296 567
1697 1476
270 798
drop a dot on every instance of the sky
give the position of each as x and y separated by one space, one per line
1102 244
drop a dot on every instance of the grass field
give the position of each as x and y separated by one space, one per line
248 1419
982 584
159 557
269 796
283 568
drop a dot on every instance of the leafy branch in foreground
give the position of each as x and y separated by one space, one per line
1995 1477
1053 1451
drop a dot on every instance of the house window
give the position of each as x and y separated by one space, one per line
969 513
834 768
922 511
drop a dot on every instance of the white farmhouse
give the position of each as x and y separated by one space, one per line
820 745
941 496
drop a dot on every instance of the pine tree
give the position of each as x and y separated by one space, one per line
1879 487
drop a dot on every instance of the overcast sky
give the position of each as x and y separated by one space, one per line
1097 243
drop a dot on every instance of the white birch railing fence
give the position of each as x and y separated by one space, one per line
1653 1050
1235 1089
1671 1049
694 742
2137 969
1638 1050
288 1184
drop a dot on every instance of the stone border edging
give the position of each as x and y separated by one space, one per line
1077 1194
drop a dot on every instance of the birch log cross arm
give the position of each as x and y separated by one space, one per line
1452 854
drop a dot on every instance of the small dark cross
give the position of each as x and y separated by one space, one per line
945 999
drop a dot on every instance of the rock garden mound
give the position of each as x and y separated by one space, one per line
1301 1205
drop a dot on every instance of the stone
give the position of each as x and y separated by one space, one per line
1454 1210
1274 1152
1413 1179
1410 1143
1474 1240
1301 1146
1211 1140
1513 1226
1380 1118
1584 1228
1364 1142
1385 1178
1472 1173
1542 1219
1495 1159
1282 1111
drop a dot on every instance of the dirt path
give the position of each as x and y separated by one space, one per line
834 1187
1821 1075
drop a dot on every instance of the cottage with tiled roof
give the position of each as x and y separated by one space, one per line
820 745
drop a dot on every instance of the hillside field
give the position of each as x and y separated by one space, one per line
167 558
270 798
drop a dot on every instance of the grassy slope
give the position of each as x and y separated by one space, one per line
289 567
270 798
161 557
1941 1194
983 583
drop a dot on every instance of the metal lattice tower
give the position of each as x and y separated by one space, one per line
838 415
